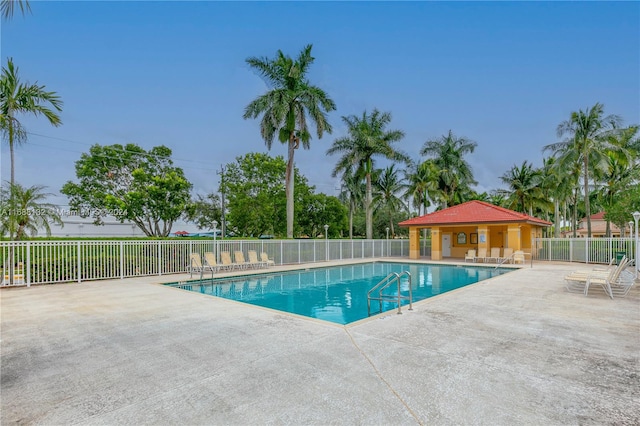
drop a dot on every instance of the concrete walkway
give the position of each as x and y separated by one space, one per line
516 349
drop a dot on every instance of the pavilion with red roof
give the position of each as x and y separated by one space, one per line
473 225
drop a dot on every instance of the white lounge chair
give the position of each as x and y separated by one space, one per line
195 265
211 262
225 258
253 259
518 256
266 260
470 255
507 255
495 254
238 256
482 254
584 279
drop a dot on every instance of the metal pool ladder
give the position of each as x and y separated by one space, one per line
383 284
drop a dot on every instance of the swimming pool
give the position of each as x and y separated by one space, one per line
339 294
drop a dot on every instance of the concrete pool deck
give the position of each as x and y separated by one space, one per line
515 349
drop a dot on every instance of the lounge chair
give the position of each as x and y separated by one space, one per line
507 255
627 278
253 259
238 256
495 254
195 265
470 255
211 262
518 256
225 258
266 260
482 254
583 279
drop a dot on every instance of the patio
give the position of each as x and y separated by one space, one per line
516 349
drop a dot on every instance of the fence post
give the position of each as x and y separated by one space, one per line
78 263
159 258
121 260
314 251
27 273
586 250
281 252
298 252
340 249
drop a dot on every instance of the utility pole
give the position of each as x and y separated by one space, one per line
223 225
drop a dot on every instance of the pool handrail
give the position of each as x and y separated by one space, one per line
386 282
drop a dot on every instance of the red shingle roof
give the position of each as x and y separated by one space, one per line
472 212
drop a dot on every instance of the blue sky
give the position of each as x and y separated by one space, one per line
503 74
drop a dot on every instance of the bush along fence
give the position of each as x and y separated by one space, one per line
45 262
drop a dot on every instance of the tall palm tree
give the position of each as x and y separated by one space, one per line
17 97
586 143
8 7
455 174
524 191
286 107
352 193
387 198
25 211
368 137
422 180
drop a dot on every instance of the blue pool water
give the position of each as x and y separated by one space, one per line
339 294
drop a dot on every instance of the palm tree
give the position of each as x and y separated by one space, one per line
388 186
23 98
367 138
285 109
8 7
586 144
422 180
455 174
524 191
25 212
352 193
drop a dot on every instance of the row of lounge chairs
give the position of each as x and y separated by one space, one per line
614 280
211 264
508 255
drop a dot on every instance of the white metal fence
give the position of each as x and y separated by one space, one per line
587 250
43 262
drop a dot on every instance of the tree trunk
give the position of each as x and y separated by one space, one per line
369 210
351 208
556 212
289 185
587 206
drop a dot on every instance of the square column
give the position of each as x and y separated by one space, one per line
414 243
514 240
436 243
484 240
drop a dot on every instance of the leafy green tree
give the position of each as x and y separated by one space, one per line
17 97
368 138
24 211
320 210
387 200
203 211
255 194
131 184
455 173
285 109
8 7
620 212
586 143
